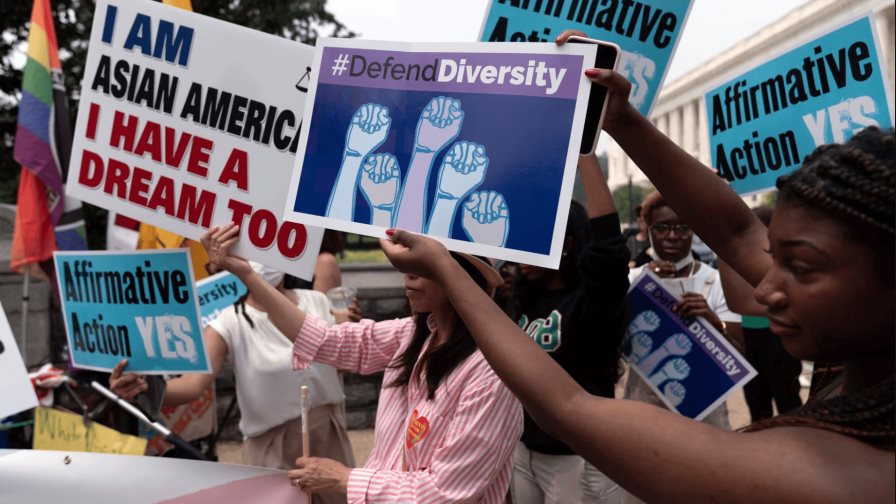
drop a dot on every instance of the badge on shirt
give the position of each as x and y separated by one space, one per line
418 428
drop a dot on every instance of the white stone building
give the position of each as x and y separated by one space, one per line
680 111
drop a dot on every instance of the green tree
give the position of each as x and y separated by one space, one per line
628 197
302 20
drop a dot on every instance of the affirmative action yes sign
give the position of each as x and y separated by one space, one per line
647 31
186 122
763 123
139 306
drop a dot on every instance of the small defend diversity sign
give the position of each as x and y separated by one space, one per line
216 293
762 124
686 362
139 306
472 144
187 122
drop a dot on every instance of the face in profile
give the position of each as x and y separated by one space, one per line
670 235
424 295
826 295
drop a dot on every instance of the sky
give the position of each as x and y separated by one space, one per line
713 25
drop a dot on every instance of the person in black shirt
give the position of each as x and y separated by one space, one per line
577 315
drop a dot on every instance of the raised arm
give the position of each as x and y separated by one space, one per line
652 452
326 273
739 292
282 312
600 199
676 174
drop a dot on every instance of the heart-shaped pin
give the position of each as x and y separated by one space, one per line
417 429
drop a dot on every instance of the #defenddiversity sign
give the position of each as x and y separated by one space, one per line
472 144
187 122
139 306
685 362
762 124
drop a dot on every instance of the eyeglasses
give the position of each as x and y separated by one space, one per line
664 229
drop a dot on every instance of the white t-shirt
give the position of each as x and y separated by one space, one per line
267 389
705 281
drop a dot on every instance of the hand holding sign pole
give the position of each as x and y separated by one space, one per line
306 431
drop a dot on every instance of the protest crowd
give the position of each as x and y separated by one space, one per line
548 353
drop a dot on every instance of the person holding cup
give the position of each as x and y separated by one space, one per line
342 299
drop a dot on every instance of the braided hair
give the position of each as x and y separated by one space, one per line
855 181
855 184
240 304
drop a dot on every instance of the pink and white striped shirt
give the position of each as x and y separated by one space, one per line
457 447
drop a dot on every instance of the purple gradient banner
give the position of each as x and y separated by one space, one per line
519 74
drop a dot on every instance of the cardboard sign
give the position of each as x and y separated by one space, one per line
59 430
686 362
190 421
216 293
763 123
647 31
136 305
18 393
188 122
472 144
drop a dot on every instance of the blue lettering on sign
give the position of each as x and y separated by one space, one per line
169 45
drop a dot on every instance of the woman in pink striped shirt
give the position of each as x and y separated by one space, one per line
446 426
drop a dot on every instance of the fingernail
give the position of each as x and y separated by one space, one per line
390 232
592 72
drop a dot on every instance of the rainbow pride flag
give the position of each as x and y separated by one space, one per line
43 146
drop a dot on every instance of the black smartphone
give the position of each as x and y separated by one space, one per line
607 57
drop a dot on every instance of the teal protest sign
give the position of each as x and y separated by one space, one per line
765 121
139 306
216 293
647 31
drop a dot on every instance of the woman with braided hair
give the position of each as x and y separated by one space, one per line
824 269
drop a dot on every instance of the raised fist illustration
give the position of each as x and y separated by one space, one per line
677 345
646 321
486 218
368 129
463 169
439 123
675 369
642 344
674 392
379 186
